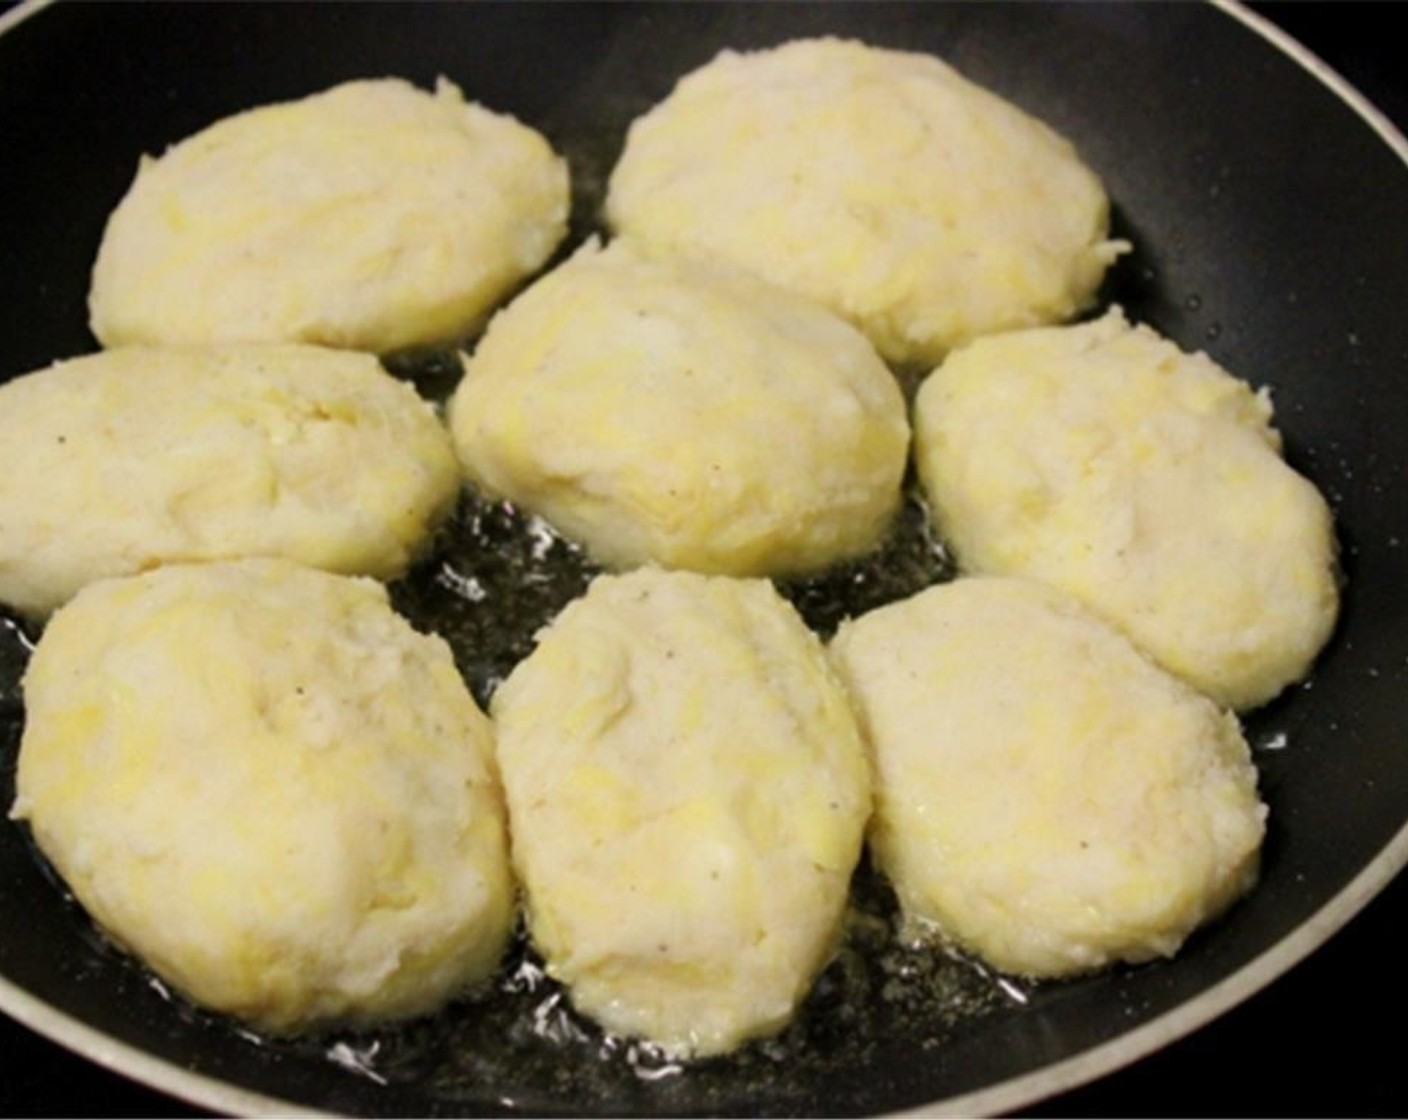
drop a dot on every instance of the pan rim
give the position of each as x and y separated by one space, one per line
162 1075
21 12
1315 931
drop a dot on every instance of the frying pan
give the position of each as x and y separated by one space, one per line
1268 222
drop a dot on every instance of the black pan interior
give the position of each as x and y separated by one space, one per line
1266 220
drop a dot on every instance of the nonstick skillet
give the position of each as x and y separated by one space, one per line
1268 219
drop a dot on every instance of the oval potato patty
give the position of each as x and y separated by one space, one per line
687 791
685 414
881 183
263 782
1144 481
1046 797
372 216
120 461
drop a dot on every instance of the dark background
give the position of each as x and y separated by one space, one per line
1321 1041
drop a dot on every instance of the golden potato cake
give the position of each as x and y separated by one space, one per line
687 792
1144 481
263 782
371 216
116 462
1046 797
686 414
921 207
